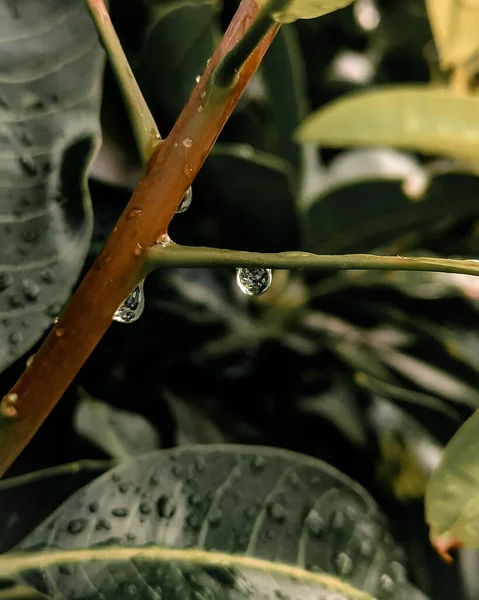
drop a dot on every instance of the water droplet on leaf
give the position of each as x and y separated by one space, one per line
77 525
254 282
132 308
186 202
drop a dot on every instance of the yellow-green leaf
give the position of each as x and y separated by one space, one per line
304 9
425 119
452 494
455 26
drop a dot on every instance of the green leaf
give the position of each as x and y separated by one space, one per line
304 9
181 38
121 434
425 119
452 502
455 26
50 83
284 75
250 195
368 214
50 487
219 522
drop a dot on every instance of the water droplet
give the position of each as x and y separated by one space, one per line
344 564
198 78
387 584
164 240
120 512
215 517
11 398
77 525
165 507
132 308
254 282
59 331
103 525
187 142
30 289
186 202
138 249
16 337
200 108
314 522
93 507
6 281
277 512
145 508
30 360
134 212
28 165
8 411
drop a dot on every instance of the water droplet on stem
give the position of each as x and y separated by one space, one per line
132 308
253 281
186 202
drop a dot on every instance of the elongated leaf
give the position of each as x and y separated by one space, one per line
50 78
284 75
181 38
305 9
426 119
455 26
452 494
224 521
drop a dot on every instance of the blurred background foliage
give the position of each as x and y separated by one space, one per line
370 371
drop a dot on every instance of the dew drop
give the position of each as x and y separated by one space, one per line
187 142
200 108
165 507
30 289
134 212
138 249
30 360
120 512
277 512
76 526
6 281
59 331
198 78
186 202
11 398
314 522
254 282
132 308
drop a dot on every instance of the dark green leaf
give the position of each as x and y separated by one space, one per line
223 521
181 38
284 76
50 82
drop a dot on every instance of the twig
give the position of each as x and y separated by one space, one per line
175 255
120 266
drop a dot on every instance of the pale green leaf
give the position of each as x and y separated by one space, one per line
304 9
452 494
455 25
424 119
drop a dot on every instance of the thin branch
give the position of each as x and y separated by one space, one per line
120 266
144 126
175 255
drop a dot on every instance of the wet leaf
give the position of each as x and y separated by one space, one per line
452 503
455 25
305 9
121 434
50 487
216 521
50 83
425 119
285 79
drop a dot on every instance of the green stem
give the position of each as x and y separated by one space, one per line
175 255
144 126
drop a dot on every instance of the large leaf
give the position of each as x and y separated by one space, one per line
304 9
452 494
455 26
216 522
366 214
50 78
426 119
284 76
181 38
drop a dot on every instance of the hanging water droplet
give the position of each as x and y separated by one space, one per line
185 203
254 282
132 308
198 78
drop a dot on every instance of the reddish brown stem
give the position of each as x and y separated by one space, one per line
119 267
